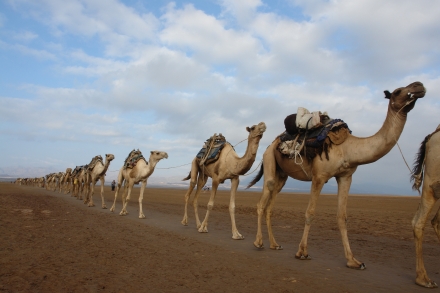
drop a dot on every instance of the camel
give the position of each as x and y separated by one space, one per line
228 166
66 182
60 183
79 180
97 172
426 171
341 163
139 171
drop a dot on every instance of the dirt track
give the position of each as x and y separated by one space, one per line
51 242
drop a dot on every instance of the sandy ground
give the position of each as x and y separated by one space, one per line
52 242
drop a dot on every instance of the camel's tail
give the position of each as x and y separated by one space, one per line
187 177
256 178
419 162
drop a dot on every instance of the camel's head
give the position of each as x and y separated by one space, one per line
158 155
109 157
257 130
403 99
68 170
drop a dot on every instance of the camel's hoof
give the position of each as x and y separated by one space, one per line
259 246
361 267
184 223
203 230
104 207
428 284
142 217
239 237
303 257
279 247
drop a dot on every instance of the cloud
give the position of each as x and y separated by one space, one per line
126 77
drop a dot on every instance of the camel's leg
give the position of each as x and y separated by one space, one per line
118 187
269 170
91 193
418 222
436 222
204 227
279 183
141 197
317 184
80 190
87 193
102 192
234 185
126 197
200 183
344 184
192 184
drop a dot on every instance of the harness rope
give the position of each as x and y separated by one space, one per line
397 143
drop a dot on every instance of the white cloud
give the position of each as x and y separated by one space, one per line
125 78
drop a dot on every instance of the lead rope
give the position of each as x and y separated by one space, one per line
397 143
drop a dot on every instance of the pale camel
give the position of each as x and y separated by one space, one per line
67 181
341 164
49 181
60 182
140 171
228 166
426 170
93 175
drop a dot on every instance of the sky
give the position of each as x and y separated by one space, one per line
84 78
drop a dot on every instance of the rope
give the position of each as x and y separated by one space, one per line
175 166
397 143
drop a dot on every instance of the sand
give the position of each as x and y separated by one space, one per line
52 242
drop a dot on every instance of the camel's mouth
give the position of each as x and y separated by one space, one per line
417 94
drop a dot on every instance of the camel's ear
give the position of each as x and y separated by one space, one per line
151 152
248 129
387 94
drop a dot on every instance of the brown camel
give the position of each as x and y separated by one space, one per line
139 171
426 170
79 180
95 173
228 166
342 161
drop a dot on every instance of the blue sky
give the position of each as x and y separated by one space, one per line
81 78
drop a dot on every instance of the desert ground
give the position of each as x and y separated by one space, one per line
52 242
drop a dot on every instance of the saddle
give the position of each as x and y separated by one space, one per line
210 151
93 162
297 142
78 169
132 159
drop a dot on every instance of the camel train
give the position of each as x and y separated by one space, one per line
313 148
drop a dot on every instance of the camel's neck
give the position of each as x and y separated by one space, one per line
106 165
370 149
151 164
244 163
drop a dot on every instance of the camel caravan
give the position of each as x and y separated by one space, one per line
314 148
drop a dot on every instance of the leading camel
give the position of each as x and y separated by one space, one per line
227 166
343 159
426 171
